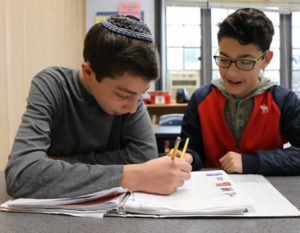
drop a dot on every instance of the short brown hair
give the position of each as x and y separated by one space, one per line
248 25
112 54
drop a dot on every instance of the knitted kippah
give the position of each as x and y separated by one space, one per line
129 26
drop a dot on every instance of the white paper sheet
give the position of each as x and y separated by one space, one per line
268 201
205 193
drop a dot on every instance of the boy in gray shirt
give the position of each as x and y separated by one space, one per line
88 130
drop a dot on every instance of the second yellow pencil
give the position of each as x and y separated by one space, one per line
185 147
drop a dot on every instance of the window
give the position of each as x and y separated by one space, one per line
183 43
296 52
272 71
217 16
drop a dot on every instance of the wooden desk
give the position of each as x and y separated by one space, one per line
156 110
29 223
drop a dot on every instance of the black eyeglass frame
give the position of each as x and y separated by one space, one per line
235 61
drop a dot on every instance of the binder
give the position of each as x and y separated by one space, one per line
207 194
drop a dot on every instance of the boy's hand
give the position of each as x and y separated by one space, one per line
161 176
187 157
231 162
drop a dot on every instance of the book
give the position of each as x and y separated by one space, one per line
90 205
207 193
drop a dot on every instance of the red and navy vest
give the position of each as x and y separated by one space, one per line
262 131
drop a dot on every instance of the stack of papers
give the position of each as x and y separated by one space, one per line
91 205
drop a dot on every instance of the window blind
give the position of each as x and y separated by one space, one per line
281 6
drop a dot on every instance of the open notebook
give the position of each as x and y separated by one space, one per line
207 193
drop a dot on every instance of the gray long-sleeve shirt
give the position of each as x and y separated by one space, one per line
63 119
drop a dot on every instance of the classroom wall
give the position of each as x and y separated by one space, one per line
34 34
93 6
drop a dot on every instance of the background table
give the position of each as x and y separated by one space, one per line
42 223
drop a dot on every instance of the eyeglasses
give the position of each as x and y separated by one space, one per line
241 64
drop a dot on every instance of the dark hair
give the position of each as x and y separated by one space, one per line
112 54
248 25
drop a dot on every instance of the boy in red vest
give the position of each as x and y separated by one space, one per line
240 122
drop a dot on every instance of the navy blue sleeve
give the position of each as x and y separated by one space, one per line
191 127
280 161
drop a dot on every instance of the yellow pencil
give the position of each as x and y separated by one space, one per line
175 147
185 147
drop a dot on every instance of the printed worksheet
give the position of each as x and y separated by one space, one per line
208 192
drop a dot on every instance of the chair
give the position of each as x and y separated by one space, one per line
168 120
174 119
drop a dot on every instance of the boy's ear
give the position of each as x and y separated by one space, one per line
267 59
88 73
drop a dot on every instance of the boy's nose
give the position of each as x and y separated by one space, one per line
132 105
232 69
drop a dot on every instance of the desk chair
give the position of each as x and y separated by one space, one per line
168 120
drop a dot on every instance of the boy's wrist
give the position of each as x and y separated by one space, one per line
130 177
